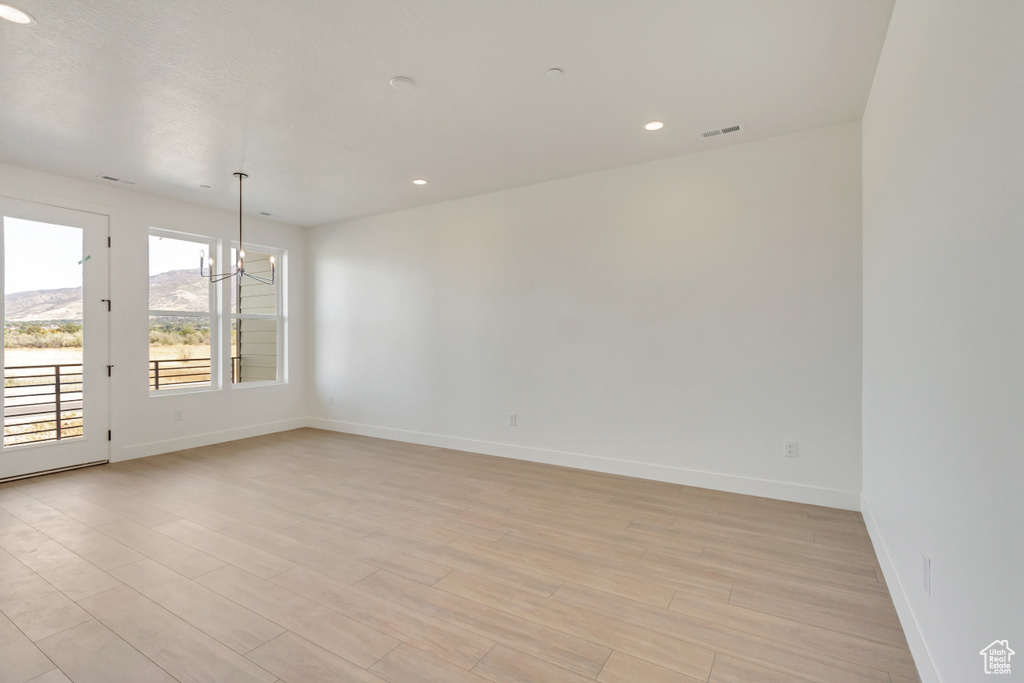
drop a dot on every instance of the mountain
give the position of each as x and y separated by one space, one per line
173 290
179 290
44 304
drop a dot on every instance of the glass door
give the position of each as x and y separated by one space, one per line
56 401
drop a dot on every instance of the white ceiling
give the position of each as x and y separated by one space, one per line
172 95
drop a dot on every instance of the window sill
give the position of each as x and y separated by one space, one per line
254 385
154 393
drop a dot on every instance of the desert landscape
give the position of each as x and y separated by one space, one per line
43 329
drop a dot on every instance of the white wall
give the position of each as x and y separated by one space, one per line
144 424
675 320
944 327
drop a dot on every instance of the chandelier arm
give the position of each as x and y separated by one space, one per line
222 276
264 280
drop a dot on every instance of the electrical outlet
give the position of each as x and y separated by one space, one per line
926 574
330 400
179 415
789 448
511 419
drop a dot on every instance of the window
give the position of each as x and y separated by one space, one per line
183 325
43 331
257 319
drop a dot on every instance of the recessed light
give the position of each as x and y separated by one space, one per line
14 14
554 73
264 213
654 125
402 83
204 187
419 181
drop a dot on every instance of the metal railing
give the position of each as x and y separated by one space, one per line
42 403
183 372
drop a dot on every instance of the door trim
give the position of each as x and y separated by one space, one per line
55 470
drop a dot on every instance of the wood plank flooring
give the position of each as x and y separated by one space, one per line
311 556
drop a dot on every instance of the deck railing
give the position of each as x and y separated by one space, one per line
42 403
182 372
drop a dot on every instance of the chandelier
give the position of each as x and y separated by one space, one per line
240 264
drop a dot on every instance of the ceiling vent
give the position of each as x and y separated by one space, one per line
722 131
115 180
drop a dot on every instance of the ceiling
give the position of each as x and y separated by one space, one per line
175 95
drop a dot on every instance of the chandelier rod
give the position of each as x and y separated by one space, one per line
240 177
237 268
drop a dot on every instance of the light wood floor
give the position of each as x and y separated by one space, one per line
310 556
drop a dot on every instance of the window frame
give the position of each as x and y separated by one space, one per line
280 318
211 245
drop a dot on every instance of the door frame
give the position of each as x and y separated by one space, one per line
93 447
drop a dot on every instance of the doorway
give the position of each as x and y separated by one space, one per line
55 308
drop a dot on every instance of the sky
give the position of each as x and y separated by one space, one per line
166 253
44 256
40 256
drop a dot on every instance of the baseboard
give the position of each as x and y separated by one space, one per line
798 493
145 450
922 657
